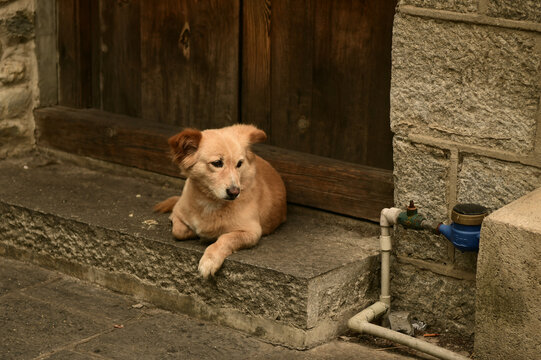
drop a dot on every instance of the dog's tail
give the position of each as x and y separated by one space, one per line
166 205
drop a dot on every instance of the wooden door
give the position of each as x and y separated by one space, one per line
314 74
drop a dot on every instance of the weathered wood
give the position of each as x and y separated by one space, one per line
121 56
74 52
352 80
47 39
330 76
315 75
189 60
291 79
106 136
95 48
328 184
311 180
256 63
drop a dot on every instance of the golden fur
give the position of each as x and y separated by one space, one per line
230 194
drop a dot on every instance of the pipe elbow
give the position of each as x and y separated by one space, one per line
367 315
389 216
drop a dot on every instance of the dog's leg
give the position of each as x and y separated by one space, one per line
226 244
181 231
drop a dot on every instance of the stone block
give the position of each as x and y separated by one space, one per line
508 316
9 133
421 245
463 6
420 174
12 71
5 2
529 10
468 83
466 261
494 183
18 27
15 101
14 140
442 302
297 287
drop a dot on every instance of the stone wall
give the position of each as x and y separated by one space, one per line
465 113
18 76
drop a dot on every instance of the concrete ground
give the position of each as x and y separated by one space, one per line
48 315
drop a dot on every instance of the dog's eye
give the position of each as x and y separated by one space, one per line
217 163
239 164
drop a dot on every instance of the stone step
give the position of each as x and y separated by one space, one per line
297 288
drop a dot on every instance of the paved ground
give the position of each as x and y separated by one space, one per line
47 315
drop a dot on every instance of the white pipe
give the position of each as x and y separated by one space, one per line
389 216
387 219
361 321
370 313
386 247
380 331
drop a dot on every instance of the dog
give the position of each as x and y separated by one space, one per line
230 194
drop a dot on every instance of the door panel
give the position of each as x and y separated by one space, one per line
189 57
120 52
292 54
329 76
255 66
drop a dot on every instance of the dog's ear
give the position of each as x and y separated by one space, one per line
183 147
251 134
256 135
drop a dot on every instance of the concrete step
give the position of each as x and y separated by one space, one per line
297 288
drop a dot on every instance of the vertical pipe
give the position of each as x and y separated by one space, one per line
385 242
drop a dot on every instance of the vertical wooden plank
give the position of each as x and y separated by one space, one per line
352 81
121 56
189 58
291 73
74 51
68 55
47 39
331 78
340 68
85 50
95 45
256 63
380 148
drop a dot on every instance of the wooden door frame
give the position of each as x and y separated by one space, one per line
315 181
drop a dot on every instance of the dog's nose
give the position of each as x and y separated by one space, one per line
232 192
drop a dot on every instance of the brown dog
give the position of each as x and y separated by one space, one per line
230 194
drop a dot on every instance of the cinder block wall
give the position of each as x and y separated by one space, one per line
465 112
18 76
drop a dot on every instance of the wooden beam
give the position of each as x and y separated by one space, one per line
324 183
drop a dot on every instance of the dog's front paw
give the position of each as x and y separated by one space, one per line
209 264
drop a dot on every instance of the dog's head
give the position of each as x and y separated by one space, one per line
218 161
